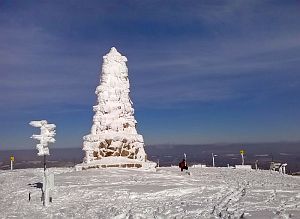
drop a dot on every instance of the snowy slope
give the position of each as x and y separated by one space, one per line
167 193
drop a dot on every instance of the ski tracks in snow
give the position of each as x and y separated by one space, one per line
166 194
229 204
226 202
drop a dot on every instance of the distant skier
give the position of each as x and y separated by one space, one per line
182 165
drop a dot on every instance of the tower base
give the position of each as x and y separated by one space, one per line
116 162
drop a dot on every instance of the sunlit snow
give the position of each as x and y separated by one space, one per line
166 193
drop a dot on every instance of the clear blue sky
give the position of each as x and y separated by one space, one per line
200 71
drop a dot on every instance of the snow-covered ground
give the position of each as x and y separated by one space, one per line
167 193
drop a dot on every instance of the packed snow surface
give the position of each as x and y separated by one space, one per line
166 193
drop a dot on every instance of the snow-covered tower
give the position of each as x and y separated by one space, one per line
114 141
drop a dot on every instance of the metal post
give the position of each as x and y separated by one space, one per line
12 159
44 163
243 162
184 154
11 165
43 190
45 184
213 159
46 192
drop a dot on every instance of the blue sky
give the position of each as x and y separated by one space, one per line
200 71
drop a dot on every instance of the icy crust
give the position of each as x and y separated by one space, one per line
115 193
113 133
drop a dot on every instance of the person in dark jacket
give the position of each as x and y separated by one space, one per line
182 165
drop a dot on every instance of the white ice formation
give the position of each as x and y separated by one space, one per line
114 141
45 137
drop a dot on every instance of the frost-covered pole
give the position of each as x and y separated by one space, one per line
45 137
44 162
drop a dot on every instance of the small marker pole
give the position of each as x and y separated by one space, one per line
12 159
243 161
242 152
184 154
213 159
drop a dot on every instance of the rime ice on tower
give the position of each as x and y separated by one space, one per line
114 141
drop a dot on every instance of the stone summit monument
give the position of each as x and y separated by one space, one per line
114 141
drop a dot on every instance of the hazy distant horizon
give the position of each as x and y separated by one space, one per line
171 154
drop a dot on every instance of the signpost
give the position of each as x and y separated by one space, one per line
45 137
12 159
242 152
